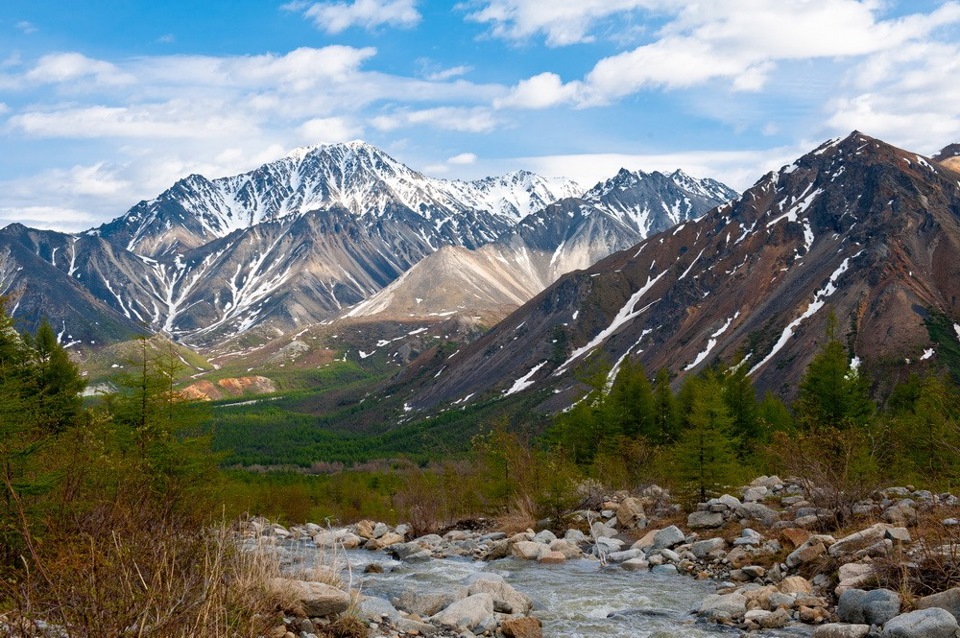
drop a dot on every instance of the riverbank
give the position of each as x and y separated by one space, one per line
762 558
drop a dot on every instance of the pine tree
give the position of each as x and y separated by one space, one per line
632 398
56 382
705 457
666 418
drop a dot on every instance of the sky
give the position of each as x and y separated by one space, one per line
104 103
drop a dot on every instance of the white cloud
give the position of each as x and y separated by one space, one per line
539 92
327 130
448 74
738 169
336 17
58 68
462 159
448 118
48 218
740 42
27 27
563 22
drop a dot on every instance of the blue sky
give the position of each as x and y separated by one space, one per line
104 103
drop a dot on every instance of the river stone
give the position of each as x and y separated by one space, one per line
387 540
854 576
575 536
567 548
758 512
506 599
636 565
415 627
630 513
546 537
365 528
795 585
426 604
551 558
704 519
923 623
879 606
529 550
473 613
949 600
374 609
668 537
704 548
721 606
667 570
528 627
599 530
841 630
859 540
380 529
313 599
809 551
900 515
754 494
625 555
646 541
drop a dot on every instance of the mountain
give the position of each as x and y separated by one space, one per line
856 229
570 234
354 177
949 157
298 240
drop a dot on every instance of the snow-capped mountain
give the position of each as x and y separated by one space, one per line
298 240
856 229
353 176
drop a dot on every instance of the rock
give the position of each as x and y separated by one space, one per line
473 612
599 530
667 570
415 627
702 549
529 550
809 551
551 558
668 537
850 606
859 540
704 519
646 541
365 528
841 630
720 606
388 539
630 514
312 599
374 609
732 502
949 600
575 536
410 552
670 555
754 571
567 548
924 623
795 585
522 628
898 535
758 512
900 515
625 555
855 576
775 619
755 494
794 536
506 599
635 564
426 604
546 537
380 530
879 606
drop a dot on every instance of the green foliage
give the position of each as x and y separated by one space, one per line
941 331
705 457
832 393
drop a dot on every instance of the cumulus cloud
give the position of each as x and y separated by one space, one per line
328 130
59 68
740 42
336 17
462 159
447 74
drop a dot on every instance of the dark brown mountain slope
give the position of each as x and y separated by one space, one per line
857 227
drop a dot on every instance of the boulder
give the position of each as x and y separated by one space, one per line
646 541
900 515
795 585
702 549
668 537
723 606
636 565
809 551
704 519
949 600
426 604
374 609
859 540
528 627
529 550
473 612
758 512
380 529
388 539
312 599
794 536
630 513
841 630
506 599
365 528
923 623
567 548
755 494
879 606
855 576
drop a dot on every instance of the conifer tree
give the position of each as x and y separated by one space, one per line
666 417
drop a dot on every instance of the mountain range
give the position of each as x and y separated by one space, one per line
299 240
856 234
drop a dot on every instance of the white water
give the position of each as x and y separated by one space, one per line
577 599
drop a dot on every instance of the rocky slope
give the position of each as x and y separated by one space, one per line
856 228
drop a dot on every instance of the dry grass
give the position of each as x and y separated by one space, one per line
933 562
519 517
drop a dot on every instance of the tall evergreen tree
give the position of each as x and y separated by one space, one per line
56 382
666 417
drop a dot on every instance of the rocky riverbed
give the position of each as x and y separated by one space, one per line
635 566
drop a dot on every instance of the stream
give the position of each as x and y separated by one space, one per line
576 599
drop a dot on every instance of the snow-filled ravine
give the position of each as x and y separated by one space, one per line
576 599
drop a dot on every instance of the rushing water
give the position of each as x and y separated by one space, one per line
576 599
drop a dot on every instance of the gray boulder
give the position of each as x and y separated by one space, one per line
668 537
723 606
473 612
758 512
841 630
373 609
314 599
506 599
873 607
704 519
923 623
949 600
